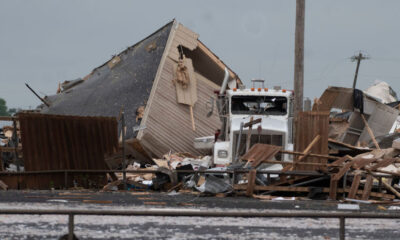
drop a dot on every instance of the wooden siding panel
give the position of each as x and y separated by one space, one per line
169 122
185 37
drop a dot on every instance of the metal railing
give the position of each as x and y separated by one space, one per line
202 213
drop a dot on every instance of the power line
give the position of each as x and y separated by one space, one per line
358 58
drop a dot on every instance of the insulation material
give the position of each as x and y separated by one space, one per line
382 91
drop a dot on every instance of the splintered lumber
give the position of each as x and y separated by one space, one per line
387 186
307 151
7 118
3 186
307 189
347 145
390 188
383 163
249 135
341 160
251 181
302 163
333 189
10 149
252 122
311 154
355 185
362 162
342 171
371 134
367 187
288 180
259 153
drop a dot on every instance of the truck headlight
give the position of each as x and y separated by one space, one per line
222 153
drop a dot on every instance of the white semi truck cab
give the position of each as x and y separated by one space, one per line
238 106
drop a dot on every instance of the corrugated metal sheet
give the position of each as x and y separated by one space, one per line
308 126
55 142
51 142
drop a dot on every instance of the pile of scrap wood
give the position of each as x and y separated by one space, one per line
370 176
163 174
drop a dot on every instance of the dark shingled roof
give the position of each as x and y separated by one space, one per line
126 84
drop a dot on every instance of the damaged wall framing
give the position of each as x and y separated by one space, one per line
380 117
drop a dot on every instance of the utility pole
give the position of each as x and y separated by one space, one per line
299 57
357 58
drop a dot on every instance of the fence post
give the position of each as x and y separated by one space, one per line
65 180
70 226
342 228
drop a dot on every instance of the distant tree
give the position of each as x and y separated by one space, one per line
3 108
12 111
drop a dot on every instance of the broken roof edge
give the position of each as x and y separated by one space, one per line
157 77
232 74
161 66
339 97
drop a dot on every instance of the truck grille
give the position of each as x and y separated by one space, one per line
273 139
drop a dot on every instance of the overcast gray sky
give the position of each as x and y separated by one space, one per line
49 41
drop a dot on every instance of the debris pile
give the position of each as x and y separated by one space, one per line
336 156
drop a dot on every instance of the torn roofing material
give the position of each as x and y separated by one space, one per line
126 80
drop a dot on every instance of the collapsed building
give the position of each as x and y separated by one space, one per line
159 95
165 85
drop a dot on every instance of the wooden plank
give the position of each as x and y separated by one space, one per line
367 187
8 118
251 181
301 163
361 162
252 122
355 185
341 160
383 163
311 154
387 186
289 181
342 171
371 134
307 151
259 153
333 189
10 149
249 134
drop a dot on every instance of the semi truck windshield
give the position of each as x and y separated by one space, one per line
259 105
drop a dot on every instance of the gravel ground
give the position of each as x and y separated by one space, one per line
116 227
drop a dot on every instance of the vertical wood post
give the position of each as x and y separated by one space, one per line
299 57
